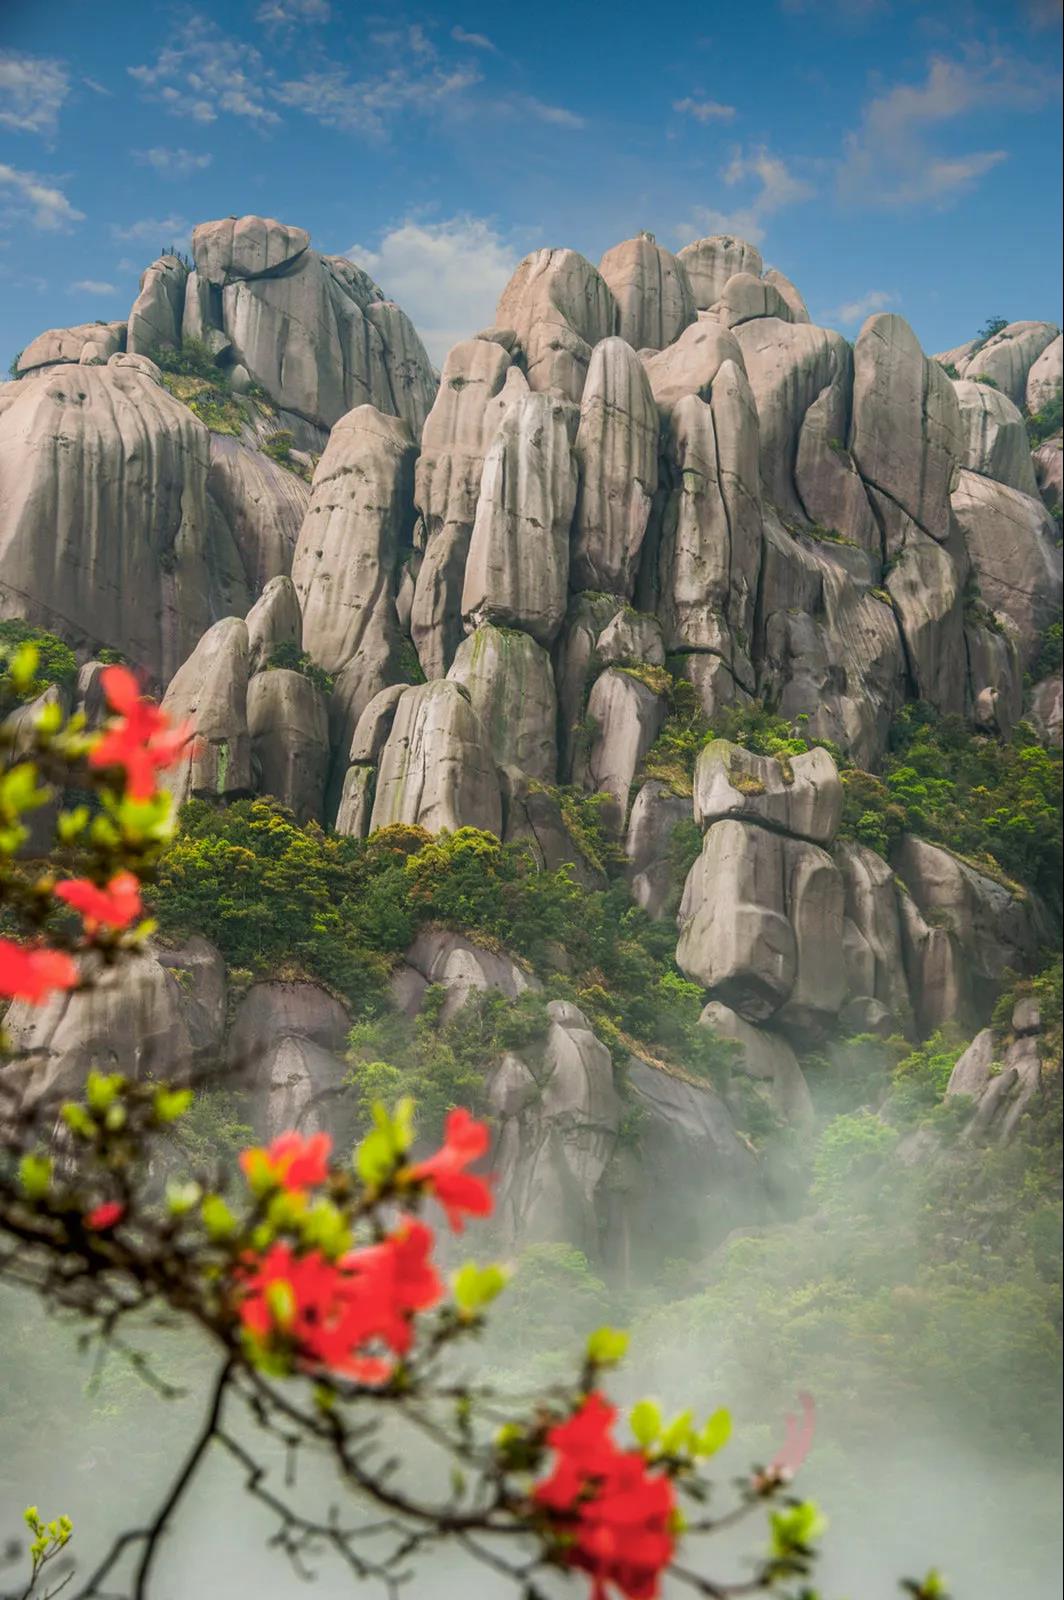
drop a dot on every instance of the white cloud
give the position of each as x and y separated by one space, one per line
287 13
477 41
704 110
365 105
32 91
26 197
447 275
92 286
776 187
180 163
559 115
890 160
854 311
206 75
156 231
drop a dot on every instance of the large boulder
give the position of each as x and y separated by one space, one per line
1047 710
60 345
347 555
437 770
1013 544
511 688
709 552
263 503
1007 358
690 365
138 558
210 692
656 812
802 382
245 247
800 795
907 436
477 383
711 262
654 299
768 1058
998 446
274 621
286 1048
746 297
1048 463
1045 377
872 941
517 572
558 308
926 585
576 660
627 716
289 727
460 967
157 312
617 454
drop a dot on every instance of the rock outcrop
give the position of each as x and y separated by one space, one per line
436 770
557 308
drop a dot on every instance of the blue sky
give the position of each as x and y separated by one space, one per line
883 154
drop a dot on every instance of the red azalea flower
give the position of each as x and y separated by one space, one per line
338 1314
115 906
142 740
291 1161
465 1141
613 1515
34 974
105 1216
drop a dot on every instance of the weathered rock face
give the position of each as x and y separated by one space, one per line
556 1130
1012 542
139 559
767 1057
801 796
245 247
558 307
802 382
510 685
347 554
1048 463
690 365
998 446
210 691
517 572
656 812
709 553
1004 1080
273 621
289 727
286 1048
617 454
796 305
627 716
711 262
1045 376
263 505
653 294
97 341
1047 709
907 436
745 297
158 310
1008 357
991 928
436 770
460 967
872 940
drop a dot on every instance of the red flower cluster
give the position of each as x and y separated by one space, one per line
33 974
465 1140
105 1216
142 741
340 1314
291 1162
115 906
610 1515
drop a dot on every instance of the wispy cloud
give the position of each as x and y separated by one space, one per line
289 13
205 75
446 275
704 110
891 158
476 41
365 105
32 91
157 231
92 286
179 163
560 116
26 197
775 186
854 311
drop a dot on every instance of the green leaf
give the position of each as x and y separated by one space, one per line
101 1090
715 1435
607 1346
78 1120
475 1287
796 1529
217 1217
169 1104
35 1176
678 1435
645 1420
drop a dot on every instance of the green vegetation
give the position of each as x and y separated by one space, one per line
990 330
278 446
56 662
12 366
192 376
288 655
1043 424
351 907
